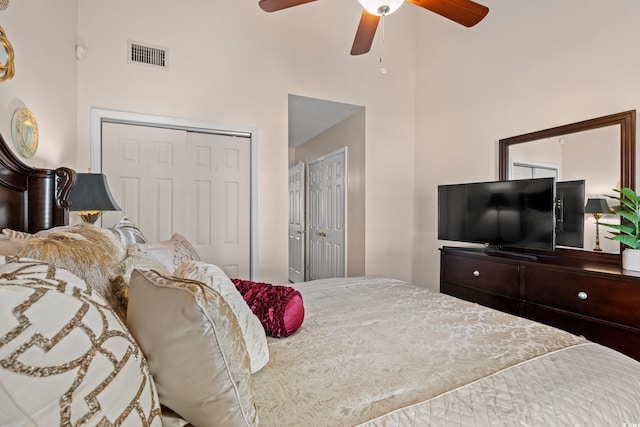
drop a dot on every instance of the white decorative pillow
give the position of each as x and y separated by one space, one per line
171 253
127 233
195 348
252 330
66 359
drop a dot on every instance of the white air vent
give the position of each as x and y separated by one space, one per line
154 56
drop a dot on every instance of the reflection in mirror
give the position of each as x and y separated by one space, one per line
592 156
600 151
7 67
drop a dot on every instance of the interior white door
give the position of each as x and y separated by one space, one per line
198 185
326 216
296 223
219 215
334 234
145 168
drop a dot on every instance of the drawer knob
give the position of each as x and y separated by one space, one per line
476 273
582 295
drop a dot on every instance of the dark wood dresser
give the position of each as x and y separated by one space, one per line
595 299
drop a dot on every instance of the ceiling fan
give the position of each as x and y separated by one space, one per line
464 12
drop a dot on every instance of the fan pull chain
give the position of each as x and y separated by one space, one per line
383 69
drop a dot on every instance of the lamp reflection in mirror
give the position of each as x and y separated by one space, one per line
597 208
90 196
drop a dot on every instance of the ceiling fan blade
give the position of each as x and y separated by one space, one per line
464 12
365 33
273 5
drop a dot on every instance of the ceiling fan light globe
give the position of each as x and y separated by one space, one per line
381 7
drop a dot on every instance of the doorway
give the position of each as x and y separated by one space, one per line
343 126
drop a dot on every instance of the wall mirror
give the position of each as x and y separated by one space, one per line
7 67
600 151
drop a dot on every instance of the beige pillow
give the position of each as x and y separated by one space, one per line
170 253
66 358
195 349
87 251
254 335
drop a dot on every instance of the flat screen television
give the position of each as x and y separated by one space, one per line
499 214
570 213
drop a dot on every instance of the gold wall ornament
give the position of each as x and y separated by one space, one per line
7 67
24 131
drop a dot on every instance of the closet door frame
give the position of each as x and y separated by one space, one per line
100 115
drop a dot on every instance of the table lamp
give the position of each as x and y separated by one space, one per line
90 196
597 208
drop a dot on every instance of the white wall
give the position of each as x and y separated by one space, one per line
232 63
527 66
45 78
434 118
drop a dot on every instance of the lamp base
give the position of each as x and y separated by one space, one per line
597 216
89 217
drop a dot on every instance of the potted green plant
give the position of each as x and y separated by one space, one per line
628 231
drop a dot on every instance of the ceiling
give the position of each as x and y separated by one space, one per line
309 117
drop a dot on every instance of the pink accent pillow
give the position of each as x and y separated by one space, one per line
279 308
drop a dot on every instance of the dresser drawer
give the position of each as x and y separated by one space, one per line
481 274
608 299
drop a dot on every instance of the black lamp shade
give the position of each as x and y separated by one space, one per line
91 193
597 206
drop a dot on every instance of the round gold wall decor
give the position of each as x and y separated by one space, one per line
24 131
7 67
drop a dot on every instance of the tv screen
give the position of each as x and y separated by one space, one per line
570 213
516 214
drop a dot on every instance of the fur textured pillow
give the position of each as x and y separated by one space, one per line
87 251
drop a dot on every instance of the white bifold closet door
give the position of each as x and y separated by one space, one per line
175 181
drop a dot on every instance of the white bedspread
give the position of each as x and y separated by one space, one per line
379 352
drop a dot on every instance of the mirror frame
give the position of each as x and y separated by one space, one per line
7 70
627 122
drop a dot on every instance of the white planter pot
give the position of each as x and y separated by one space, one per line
631 259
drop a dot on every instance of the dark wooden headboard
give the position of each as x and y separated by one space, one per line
32 199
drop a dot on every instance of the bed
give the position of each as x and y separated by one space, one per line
372 351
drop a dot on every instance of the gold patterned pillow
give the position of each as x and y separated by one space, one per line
65 357
196 351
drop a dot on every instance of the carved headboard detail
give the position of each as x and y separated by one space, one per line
32 199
